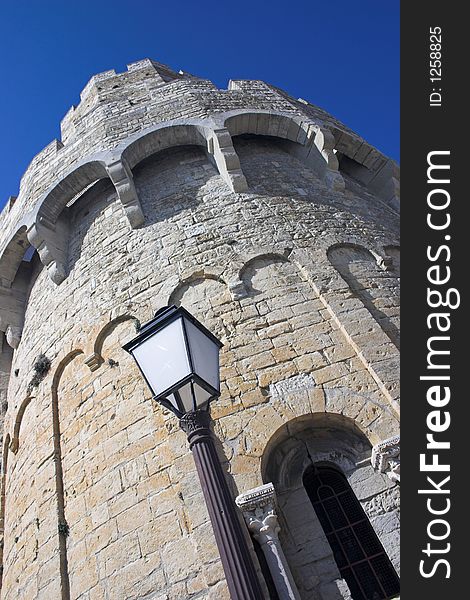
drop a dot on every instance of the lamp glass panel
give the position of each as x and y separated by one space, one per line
204 355
171 398
163 357
202 397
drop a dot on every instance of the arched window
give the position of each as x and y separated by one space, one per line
361 558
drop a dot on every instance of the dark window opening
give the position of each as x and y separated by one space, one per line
358 552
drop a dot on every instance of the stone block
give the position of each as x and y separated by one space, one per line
179 560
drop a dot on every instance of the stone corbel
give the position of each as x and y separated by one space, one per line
385 263
237 289
51 242
12 304
13 336
386 458
325 142
259 510
121 176
94 361
220 145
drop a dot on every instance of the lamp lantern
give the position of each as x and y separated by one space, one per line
179 359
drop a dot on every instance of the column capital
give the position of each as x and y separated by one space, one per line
257 498
386 457
259 510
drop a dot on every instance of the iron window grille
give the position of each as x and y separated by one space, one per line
358 552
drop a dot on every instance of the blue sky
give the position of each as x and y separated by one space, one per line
342 56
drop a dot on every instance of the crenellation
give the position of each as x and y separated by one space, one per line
67 126
93 83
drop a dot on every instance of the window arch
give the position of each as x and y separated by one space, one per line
359 555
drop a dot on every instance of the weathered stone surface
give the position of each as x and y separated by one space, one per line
231 203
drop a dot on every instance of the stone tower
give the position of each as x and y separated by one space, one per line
276 226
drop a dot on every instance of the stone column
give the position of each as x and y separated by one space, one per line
259 509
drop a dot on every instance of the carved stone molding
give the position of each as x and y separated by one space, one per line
13 336
325 142
386 457
237 289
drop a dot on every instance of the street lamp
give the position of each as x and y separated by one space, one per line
179 359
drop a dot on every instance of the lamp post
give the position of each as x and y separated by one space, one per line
179 359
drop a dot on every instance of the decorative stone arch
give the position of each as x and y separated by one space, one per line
209 296
228 274
95 358
366 164
358 245
67 357
12 255
15 441
48 229
13 289
64 361
281 254
264 255
71 184
192 132
328 421
298 403
160 137
194 278
380 253
306 140
330 440
366 282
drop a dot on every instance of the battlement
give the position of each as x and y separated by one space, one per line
116 107
145 69
129 87
14 206
106 97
